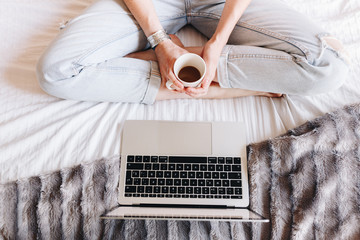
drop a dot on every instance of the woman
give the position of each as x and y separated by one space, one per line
258 47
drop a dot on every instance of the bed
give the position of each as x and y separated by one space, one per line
40 133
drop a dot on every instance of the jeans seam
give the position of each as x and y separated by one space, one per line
264 31
263 56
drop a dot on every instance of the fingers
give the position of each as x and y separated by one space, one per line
176 84
199 91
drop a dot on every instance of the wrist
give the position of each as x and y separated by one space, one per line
157 38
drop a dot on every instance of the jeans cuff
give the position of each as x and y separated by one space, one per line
222 69
154 84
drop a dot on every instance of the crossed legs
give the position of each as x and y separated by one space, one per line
215 91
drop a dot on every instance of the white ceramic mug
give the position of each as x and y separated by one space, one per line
185 60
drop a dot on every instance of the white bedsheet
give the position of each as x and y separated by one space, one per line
40 133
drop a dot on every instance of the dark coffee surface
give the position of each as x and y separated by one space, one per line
189 74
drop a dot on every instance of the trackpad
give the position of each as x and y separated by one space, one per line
184 138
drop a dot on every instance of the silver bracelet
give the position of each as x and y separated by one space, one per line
157 38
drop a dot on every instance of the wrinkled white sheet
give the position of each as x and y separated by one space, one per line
40 133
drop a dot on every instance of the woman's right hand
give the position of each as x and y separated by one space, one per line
167 52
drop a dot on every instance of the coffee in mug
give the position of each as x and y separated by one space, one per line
189 69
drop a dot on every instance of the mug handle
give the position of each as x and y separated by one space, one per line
169 84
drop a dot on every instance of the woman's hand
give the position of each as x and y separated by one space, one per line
167 52
211 54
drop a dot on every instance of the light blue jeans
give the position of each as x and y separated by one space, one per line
272 48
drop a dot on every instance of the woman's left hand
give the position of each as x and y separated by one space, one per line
211 54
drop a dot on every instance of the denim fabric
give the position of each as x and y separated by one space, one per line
272 48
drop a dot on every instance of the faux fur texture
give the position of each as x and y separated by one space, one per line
307 182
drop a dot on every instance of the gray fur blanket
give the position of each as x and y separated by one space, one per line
307 182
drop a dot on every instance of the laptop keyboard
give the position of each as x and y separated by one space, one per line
183 177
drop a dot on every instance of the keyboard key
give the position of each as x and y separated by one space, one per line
237 160
235 183
229 191
185 182
130 158
144 195
199 175
148 189
135 166
143 173
189 190
156 166
167 174
169 182
140 189
163 159
201 182
215 175
223 175
181 189
221 160
172 167
154 159
159 174
203 167
153 181
179 159
195 167
161 181
130 189
238 191
163 166
173 189
227 168
237 197
207 174
211 159
219 168
129 181
165 189
179 166
151 174
234 175
147 166
135 174
197 190
157 189
225 183
217 183
187 167
145 181
193 182
221 191
175 174
146 159
229 160
191 174
209 183
177 182
236 168
183 174
211 167
137 181
213 190
205 190
138 158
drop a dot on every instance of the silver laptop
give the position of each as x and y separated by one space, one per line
185 171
